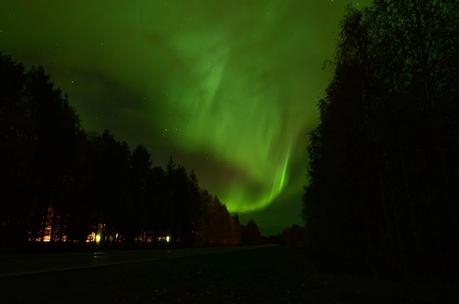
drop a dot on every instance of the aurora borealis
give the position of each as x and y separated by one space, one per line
228 88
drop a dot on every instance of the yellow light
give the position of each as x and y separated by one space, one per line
168 238
98 237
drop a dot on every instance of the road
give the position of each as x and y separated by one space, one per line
37 263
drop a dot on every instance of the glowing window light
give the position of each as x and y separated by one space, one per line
166 238
98 237
91 237
47 234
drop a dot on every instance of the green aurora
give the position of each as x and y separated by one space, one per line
228 88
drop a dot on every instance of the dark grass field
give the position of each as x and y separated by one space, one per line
247 275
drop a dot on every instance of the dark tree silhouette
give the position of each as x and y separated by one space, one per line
383 162
251 234
138 215
39 134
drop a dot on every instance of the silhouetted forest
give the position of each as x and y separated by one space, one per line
58 184
383 194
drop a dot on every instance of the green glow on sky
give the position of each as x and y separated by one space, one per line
229 88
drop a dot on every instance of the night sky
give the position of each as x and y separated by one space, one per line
228 88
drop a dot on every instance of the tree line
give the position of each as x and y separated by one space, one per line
59 184
383 162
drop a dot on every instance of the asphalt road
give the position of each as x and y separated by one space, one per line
37 263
